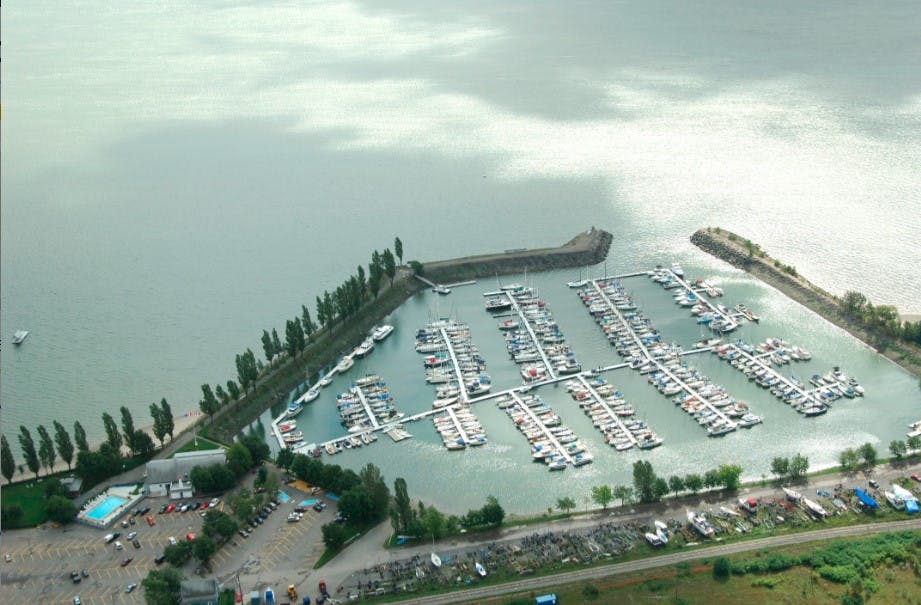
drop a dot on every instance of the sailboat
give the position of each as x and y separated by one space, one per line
578 284
436 560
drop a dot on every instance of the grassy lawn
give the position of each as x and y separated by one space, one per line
202 445
694 583
30 497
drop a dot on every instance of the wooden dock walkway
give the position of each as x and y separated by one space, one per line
534 339
547 432
364 403
604 404
454 364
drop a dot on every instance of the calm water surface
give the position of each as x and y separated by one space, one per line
177 178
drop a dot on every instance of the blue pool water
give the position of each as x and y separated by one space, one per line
307 502
283 496
102 510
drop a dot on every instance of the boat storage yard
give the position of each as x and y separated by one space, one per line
454 366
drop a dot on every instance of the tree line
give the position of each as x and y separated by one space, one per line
331 308
49 448
882 318
365 499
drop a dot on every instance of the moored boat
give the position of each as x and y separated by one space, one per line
20 336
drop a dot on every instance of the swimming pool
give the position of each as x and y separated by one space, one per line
283 496
104 508
306 503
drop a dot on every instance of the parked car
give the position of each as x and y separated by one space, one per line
162 509
916 477
131 536
318 507
75 577
131 587
160 559
77 601
85 573
8 558
136 543
243 533
874 483
190 537
145 510
214 502
150 521
172 541
125 523
126 560
170 508
118 545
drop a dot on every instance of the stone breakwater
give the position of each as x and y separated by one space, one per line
588 248
736 251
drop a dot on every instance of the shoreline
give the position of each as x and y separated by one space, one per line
180 425
733 249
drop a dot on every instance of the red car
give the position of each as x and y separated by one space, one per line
190 537
150 521
170 508
916 477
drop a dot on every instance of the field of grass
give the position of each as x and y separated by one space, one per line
199 445
30 497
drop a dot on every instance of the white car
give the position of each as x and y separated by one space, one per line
172 541
131 536
118 545
214 502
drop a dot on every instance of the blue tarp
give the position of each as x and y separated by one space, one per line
865 498
911 506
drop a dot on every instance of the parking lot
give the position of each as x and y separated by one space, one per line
42 559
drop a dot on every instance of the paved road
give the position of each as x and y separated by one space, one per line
665 560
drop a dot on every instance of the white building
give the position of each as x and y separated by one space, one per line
171 476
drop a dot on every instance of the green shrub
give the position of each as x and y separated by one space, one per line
721 569
590 591
766 582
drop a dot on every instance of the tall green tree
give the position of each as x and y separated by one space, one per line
80 437
209 403
143 444
624 493
203 548
868 455
849 459
267 346
644 481
28 450
7 462
898 448
676 484
45 448
113 437
128 429
564 504
306 322
362 284
780 466
602 495
159 430
161 586
402 506
398 248
693 482
294 338
221 395
60 509
390 265
276 344
799 466
914 443
729 475
64 444
233 390
166 414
